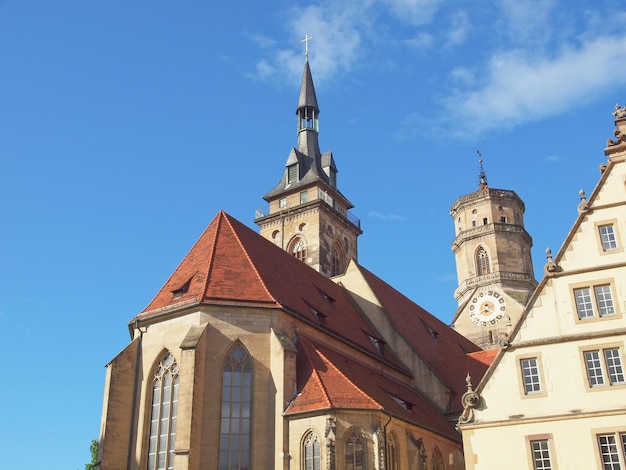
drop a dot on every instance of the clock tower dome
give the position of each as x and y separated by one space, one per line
493 263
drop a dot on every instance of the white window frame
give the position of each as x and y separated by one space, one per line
604 370
612 450
593 302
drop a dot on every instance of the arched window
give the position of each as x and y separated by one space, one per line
355 451
393 452
482 262
336 260
235 418
298 249
438 460
311 452
163 415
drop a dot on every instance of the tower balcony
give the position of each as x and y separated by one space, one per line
320 196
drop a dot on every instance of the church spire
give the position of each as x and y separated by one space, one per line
482 176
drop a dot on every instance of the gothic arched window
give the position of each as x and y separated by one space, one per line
235 416
163 415
298 249
393 452
336 260
482 262
438 460
311 452
355 451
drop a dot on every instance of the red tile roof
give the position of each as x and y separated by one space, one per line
432 339
232 263
454 370
327 379
449 353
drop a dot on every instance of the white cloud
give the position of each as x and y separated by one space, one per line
421 41
415 12
527 21
518 88
459 28
381 216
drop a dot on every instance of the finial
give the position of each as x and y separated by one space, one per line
551 267
619 112
306 40
482 176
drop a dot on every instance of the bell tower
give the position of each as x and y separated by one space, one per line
493 263
307 214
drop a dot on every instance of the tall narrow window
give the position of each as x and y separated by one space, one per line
292 173
482 262
355 451
530 375
612 450
311 451
438 460
393 452
541 454
235 418
336 260
298 249
163 415
607 237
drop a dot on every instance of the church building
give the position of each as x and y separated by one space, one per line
279 351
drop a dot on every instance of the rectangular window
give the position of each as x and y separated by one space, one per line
292 173
612 449
304 197
599 305
541 454
530 375
607 237
503 219
605 301
282 202
485 220
602 365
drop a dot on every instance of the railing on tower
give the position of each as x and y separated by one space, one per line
324 196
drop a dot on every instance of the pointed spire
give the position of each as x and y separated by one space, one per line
482 176
307 98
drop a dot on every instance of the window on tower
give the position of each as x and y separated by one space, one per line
482 261
292 173
298 248
336 260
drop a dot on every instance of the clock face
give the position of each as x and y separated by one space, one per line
487 308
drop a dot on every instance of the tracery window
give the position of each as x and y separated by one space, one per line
298 249
311 452
438 460
235 417
482 262
393 452
163 415
336 260
355 451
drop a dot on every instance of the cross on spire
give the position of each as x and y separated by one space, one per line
306 40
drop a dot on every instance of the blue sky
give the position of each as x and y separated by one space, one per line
126 126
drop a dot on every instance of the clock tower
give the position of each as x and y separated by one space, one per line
493 263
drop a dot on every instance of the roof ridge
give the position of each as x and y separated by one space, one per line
180 266
315 371
221 215
252 263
